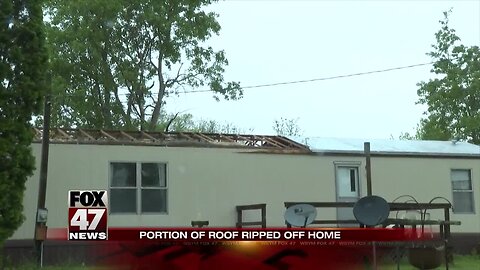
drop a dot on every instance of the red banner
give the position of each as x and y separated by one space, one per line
178 235
230 248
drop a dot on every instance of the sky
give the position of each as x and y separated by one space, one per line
279 41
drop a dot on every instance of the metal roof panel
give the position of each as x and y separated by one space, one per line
318 144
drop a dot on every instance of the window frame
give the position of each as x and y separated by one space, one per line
471 191
138 187
351 165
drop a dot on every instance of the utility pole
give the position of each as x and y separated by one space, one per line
368 168
42 212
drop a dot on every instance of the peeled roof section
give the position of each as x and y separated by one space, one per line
394 147
174 139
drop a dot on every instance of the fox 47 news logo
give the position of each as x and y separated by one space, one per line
87 215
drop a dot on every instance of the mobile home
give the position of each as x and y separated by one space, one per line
171 179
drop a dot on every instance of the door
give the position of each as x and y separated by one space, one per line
347 188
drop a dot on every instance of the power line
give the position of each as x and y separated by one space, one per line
299 81
322 79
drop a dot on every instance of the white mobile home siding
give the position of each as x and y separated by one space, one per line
207 183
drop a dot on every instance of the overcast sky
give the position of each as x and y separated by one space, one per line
278 41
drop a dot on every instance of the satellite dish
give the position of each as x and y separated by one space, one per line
371 210
300 215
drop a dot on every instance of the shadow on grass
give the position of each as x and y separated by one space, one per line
460 262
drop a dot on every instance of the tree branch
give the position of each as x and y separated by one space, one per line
135 110
151 86
170 122
176 77
169 83
153 99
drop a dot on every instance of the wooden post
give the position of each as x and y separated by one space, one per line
40 227
448 249
239 217
264 216
368 168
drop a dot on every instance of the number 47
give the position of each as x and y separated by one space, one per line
80 218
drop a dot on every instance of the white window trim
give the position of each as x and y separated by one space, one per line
472 189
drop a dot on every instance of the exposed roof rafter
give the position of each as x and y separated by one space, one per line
185 139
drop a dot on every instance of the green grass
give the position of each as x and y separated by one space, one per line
32 267
470 262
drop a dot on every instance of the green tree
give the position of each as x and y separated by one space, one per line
117 61
287 127
23 62
453 97
406 136
186 122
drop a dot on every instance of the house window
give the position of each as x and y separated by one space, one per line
138 187
462 191
347 182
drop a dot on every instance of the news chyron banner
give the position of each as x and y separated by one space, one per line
87 215
225 248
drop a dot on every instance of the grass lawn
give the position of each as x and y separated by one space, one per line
31 267
471 262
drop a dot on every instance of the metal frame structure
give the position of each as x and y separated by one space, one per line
185 139
444 225
262 207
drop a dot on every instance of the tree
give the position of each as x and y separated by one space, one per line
186 123
116 62
453 97
432 128
406 136
22 84
417 135
287 127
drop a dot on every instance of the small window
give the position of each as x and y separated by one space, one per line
462 191
353 180
153 189
138 187
347 181
153 175
124 175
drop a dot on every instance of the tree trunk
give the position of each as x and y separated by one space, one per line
161 94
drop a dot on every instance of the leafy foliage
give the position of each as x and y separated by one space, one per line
187 123
453 97
287 127
116 62
22 85
406 136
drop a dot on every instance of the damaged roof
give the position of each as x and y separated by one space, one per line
263 143
174 139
